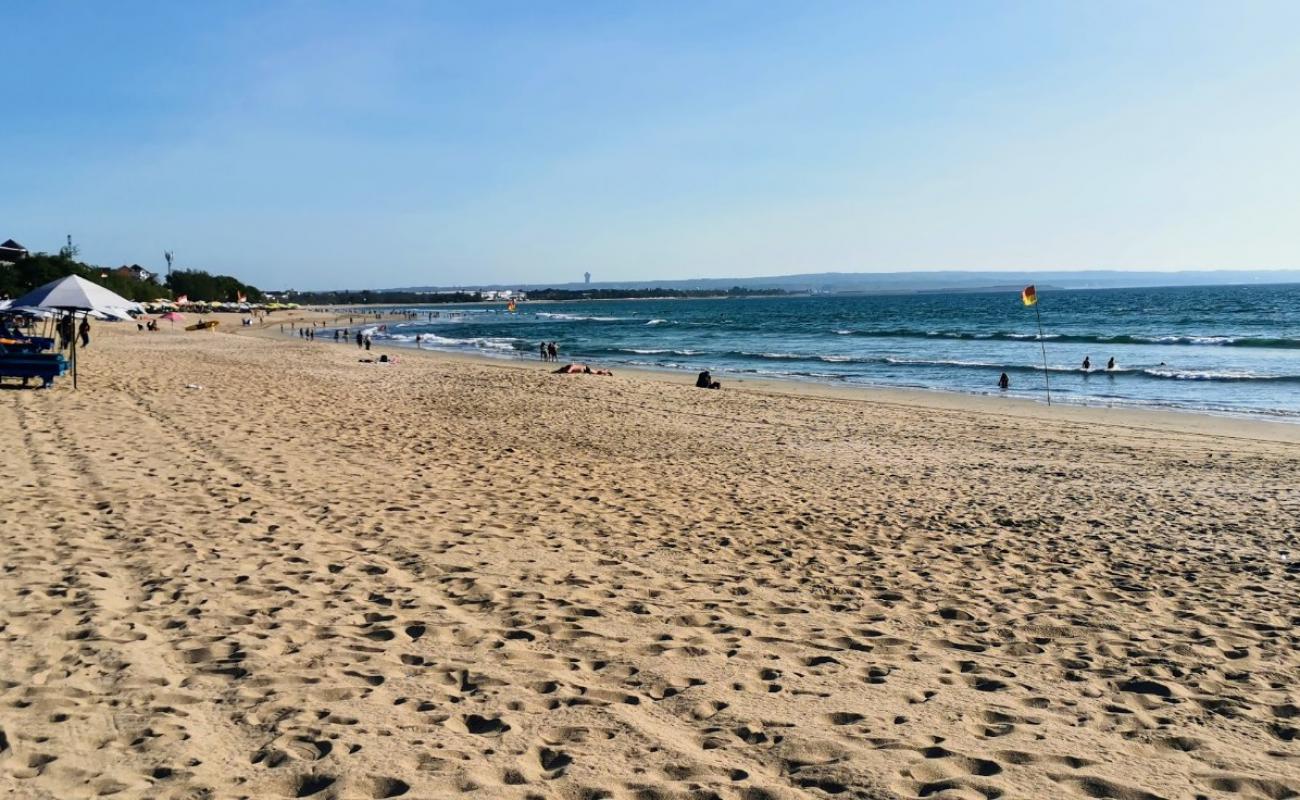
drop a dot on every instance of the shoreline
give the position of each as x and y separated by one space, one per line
1182 420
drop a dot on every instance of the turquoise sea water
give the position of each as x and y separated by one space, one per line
1228 349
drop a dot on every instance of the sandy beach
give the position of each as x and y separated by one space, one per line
313 577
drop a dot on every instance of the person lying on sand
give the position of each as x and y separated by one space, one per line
580 369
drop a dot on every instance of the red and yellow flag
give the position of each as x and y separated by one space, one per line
1028 296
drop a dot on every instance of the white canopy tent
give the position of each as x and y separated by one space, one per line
72 295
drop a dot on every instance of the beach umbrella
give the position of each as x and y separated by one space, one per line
112 314
28 311
173 317
73 294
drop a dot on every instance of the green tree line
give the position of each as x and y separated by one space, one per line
200 286
41 268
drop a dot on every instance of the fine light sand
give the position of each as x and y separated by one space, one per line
319 578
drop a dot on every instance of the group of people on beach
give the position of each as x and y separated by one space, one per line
1004 382
548 351
1087 364
69 330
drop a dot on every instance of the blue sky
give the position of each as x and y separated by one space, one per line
380 144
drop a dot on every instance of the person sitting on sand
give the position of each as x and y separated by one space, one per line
1004 382
706 381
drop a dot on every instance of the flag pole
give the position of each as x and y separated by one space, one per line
1047 382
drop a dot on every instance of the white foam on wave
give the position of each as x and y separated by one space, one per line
1199 340
1213 375
434 340
776 355
577 317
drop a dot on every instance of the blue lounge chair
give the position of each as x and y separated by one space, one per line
46 366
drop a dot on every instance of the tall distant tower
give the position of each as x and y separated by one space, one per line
586 277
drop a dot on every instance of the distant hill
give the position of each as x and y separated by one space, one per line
955 281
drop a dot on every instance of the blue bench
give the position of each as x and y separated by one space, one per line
46 366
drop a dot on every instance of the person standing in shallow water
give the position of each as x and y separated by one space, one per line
553 351
1004 382
1087 363
541 348
1110 365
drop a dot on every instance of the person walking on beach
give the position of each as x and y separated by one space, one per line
1004 382
65 332
359 340
84 332
367 344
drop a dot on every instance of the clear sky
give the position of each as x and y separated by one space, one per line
381 144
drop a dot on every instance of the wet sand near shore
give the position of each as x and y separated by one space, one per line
314 577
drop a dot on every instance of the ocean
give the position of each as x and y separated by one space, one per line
1224 349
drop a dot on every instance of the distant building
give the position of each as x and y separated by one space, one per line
136 272
502 294
586 277
11 252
